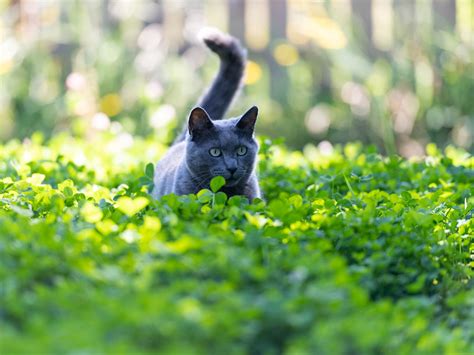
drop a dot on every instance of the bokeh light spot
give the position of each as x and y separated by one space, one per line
6 66
111 104
253 73
286 54
162 116
76 81
326 148
357 97
100 121
318 119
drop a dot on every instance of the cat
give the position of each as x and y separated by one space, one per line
209 146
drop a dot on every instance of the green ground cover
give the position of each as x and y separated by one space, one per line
349 253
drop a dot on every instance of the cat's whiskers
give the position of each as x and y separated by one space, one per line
201 179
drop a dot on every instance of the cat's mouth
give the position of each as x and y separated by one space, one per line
232 181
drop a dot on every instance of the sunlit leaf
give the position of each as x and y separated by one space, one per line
216 183
131 206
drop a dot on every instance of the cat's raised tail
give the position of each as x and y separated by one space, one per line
218 97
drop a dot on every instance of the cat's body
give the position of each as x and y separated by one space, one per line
209 146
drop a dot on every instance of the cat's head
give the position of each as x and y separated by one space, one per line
225 147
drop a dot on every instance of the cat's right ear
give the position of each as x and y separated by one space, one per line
199 122
248 119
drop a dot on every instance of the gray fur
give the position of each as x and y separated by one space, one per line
189 167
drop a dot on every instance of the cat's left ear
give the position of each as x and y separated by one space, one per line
248 119
199 122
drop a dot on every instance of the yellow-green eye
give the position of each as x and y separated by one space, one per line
215 152
242 150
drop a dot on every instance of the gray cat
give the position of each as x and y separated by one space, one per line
210 146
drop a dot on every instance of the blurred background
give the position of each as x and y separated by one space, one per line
394 73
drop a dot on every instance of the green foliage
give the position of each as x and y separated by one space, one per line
217 183
350 252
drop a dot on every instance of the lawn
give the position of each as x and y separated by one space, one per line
350 252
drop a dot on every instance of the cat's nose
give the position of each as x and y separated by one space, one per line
232 170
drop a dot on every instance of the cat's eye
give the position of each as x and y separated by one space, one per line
215 152
242 150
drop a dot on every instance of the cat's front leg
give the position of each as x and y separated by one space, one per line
252 188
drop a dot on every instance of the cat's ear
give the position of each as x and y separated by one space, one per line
248 119
199 121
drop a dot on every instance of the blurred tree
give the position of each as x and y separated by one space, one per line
372 70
